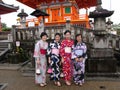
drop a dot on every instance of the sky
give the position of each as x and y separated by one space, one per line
10 19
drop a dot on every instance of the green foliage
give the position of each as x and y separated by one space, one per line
6 29
4 25
17 55
118 32
117 28
23 56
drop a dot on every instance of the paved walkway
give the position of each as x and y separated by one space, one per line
16 81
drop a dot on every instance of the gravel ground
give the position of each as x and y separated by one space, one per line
16 81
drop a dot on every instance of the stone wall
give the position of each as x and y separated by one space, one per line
4 35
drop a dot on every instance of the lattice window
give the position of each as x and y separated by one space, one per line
67 10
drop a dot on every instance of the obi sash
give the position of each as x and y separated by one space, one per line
55 51
79 52
43 51
67 49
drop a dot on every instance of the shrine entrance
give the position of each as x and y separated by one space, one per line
55 14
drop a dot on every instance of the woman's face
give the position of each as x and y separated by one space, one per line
67 35
79 38
44 38
57 38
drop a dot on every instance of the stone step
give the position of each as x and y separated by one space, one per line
3 51
3 47
3 44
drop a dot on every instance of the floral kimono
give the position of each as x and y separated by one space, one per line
65 52
53 53
79 66
40 54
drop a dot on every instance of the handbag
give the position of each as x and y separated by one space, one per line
38 72
49 71
61 75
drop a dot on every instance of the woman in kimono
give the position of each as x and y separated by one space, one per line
40 60
54 59
79 56
65 52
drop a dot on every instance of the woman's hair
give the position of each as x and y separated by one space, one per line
67 31
43 34
58 34
75 43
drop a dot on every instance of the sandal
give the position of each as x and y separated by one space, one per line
42 85
55 83
68 83
58 84
45 84
76 83
80 84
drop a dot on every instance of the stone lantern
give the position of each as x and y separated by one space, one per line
109 25
101 58
22 16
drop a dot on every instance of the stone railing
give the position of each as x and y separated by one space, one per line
4 35
25 34
33 33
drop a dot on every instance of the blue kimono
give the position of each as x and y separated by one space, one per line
79 51
53 53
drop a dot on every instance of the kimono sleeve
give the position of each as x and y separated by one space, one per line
62 51
49 50
85 52
73 56
37 50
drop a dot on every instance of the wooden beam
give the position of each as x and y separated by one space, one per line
25 1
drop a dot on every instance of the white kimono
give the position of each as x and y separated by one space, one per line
40 46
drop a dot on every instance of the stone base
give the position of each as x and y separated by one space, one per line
109 75
101 65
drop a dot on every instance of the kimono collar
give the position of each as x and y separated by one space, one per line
55 41
80 43
68 40
42 41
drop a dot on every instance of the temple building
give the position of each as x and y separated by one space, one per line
5 8
62 10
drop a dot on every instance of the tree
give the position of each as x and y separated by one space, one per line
5 28
117 28
4 25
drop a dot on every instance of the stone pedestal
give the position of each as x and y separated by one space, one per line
101 65
101 62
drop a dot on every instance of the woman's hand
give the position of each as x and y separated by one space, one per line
38 61
76 59
81 59
62 60
49 60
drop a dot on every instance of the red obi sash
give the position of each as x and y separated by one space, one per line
43 51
